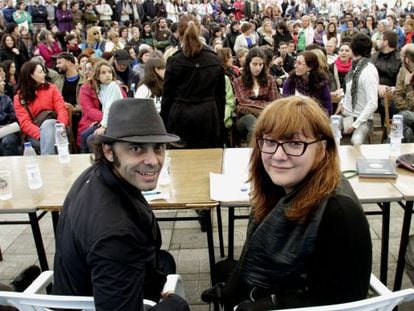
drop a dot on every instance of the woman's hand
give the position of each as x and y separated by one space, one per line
15 51
99 131
340 109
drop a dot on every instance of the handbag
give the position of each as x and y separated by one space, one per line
42 116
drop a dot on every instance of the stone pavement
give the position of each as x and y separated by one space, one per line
186 243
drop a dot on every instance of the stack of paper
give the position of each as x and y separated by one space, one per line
228 188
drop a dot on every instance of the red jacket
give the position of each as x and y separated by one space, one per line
46 99
91 112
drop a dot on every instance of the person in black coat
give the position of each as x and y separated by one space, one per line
232 35
108 239
282 35
194 91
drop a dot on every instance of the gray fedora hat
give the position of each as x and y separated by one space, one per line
137 121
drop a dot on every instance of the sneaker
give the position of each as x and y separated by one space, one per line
25 278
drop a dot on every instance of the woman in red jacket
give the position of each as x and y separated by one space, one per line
34 95
91 108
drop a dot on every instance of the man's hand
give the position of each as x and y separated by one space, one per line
349 130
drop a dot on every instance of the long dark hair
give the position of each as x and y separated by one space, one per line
317 77
151 79
27 86
3 41
247 77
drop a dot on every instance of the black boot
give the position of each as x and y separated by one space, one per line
203 219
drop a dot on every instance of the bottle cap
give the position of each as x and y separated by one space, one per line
27 144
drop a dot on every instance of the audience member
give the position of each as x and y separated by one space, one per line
361 95
340 68
152 84
194 91
254 90
307 79
91 108
33 98
9 144
404 92
388 63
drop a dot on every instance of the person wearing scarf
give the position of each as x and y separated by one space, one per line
308 241
307 79
361 94
340 68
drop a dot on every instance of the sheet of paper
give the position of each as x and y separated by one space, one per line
156 195
228 188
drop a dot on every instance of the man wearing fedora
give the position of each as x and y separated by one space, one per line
108 240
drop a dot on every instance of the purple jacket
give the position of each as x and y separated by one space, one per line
64 20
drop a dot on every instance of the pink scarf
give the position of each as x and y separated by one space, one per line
343 67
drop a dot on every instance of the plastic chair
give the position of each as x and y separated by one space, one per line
385 301
31 300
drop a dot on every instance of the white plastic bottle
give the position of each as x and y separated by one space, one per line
34 179
396 135
62 144
336 128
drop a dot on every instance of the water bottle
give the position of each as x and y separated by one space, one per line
62 144
132 88
336 128
396 135
34 179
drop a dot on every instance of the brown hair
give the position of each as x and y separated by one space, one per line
189 34
97 70
224 54
282 119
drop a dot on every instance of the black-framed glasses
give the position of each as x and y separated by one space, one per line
294 148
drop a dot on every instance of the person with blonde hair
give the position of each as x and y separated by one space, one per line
95 41
308 241
113 43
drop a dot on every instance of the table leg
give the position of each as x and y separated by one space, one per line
220 230
408 210
37 235
385 241
231 233
210 244
55 219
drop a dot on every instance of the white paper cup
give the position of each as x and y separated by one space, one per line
5 185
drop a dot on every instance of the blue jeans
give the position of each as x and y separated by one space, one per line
408 126
9 144
47 138
86 137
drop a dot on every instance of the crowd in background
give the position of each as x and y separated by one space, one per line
90 53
